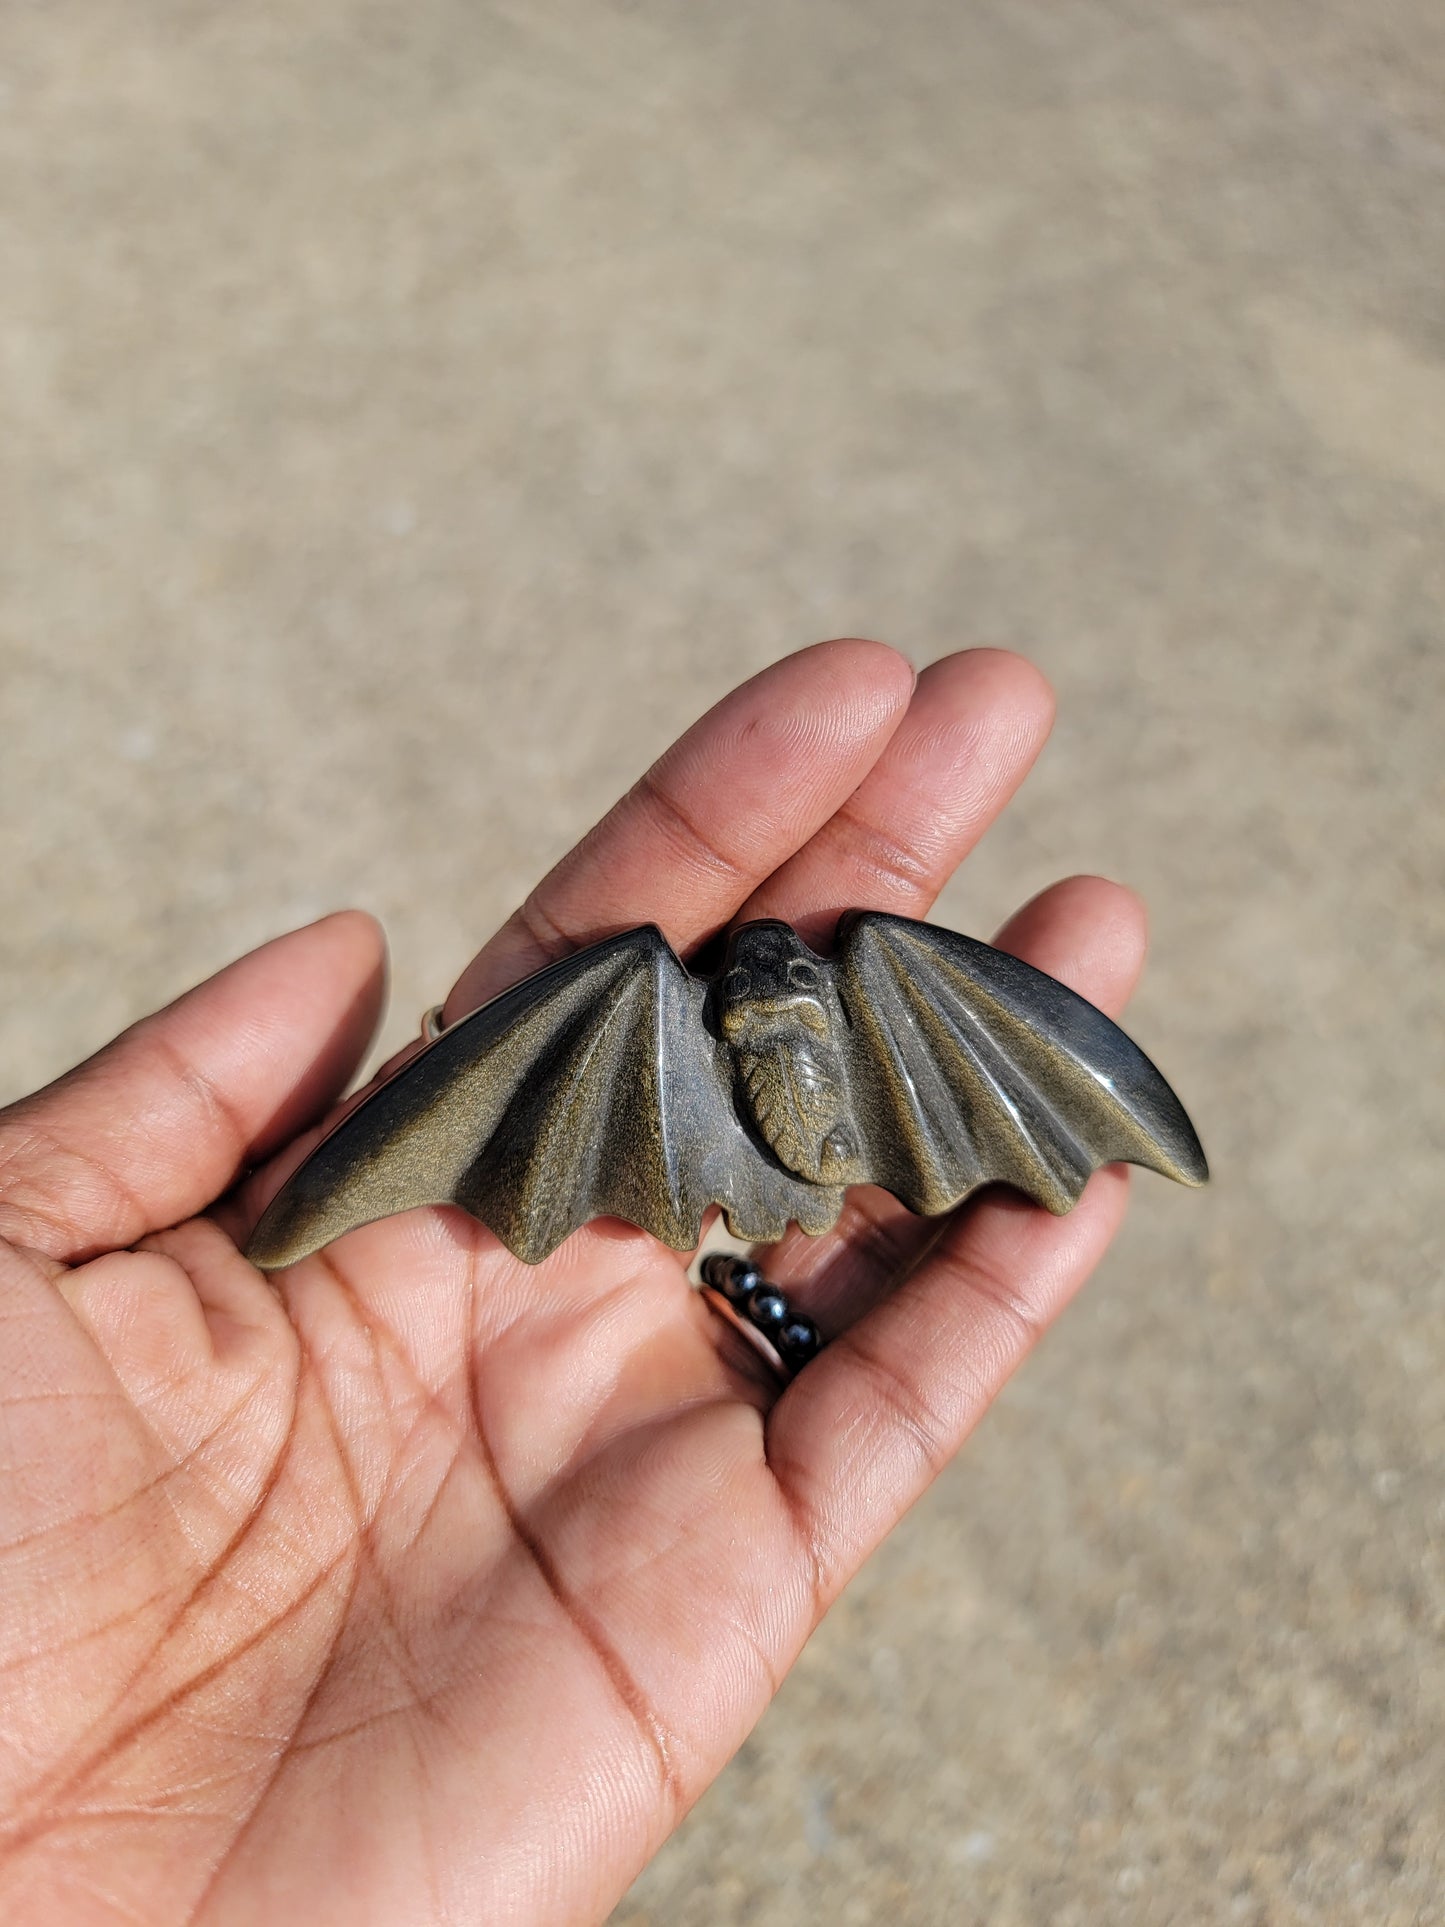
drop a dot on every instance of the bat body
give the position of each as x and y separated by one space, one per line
614 1083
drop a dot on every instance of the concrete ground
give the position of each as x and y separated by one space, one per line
412 416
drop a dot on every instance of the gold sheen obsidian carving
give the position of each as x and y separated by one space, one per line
616 1084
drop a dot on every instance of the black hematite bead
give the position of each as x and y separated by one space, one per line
733 1277
767 1308
798 1338
742 1280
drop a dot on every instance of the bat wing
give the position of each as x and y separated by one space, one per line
593 1089
968 1067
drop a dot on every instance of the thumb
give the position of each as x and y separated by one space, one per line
155 1126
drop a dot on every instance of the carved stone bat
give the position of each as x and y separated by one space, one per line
616 1084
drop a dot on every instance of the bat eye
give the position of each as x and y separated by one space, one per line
803 975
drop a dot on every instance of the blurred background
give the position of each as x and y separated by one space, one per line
411 417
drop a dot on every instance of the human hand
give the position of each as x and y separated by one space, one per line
415 1583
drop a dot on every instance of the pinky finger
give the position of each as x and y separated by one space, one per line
872 1421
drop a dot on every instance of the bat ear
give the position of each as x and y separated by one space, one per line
846 925
708 958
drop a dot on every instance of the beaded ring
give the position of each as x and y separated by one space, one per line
736 1290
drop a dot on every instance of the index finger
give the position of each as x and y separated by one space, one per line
733 798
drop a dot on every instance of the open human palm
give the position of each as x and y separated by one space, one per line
416 1584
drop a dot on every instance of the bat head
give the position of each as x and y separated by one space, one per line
771 981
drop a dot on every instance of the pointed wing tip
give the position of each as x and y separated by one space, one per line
272 1250
293 1226
1195 1173
301 1233
1184 1160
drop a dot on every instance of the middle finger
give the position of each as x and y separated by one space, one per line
970 735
